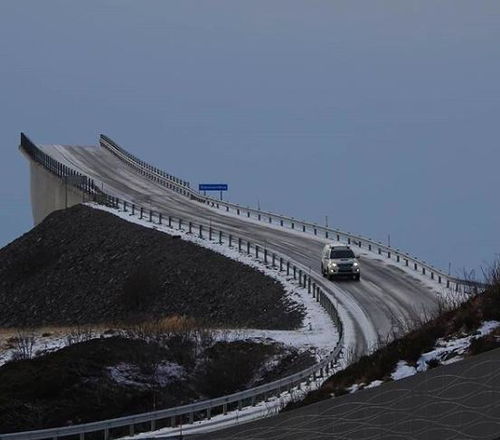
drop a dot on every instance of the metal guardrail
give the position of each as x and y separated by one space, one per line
396 255
70 176
205 409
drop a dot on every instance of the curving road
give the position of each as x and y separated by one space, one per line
371 307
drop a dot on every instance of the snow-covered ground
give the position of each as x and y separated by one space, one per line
36 342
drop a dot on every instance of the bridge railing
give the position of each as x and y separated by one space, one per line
390 253
66 174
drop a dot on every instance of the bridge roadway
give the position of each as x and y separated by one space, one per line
385 292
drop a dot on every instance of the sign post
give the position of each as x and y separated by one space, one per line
213 187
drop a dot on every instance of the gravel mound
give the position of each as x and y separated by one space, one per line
86 266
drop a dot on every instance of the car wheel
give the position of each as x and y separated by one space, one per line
357 277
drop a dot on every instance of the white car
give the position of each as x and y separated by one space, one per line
339 260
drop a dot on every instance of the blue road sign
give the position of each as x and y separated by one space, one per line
212 187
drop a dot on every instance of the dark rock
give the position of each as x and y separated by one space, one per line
83 265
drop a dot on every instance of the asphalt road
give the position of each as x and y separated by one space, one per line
373 306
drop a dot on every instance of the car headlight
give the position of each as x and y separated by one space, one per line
355 264
333 265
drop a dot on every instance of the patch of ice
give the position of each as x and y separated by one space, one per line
403 370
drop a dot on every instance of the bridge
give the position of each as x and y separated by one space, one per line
395 285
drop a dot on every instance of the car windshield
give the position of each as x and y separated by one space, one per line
342 253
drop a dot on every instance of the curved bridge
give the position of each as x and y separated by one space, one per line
395 287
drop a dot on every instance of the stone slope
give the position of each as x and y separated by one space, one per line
83 265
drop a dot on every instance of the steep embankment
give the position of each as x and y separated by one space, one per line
84 265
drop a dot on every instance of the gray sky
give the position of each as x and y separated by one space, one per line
383 115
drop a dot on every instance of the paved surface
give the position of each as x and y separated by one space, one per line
385 293
459 401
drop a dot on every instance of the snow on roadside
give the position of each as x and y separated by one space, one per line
318 333
446 351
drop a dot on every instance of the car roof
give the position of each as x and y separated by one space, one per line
338 246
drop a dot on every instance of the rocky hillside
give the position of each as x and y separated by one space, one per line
83 265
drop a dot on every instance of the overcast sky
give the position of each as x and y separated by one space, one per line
383 115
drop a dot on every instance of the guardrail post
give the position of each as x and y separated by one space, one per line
224 409
270 219
303 228
220 237
281 264
248 214
150 216
142 212
288 268
209 413
82 436
300 277
292 225
274 259
248 247
257 251
173 423
309 285
315 231
388 254
265 256
379 251
230 238
397 258
190 227
238 211
106 434
131 429
124 206
210 233
239 244
180 224
314 292
259 216
159 218
169 221
439 279
369 247
415 266
326 233
191 418
338 237
423 270
406 262
281 222
201 232
152 426
348 240
294 272
447 284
